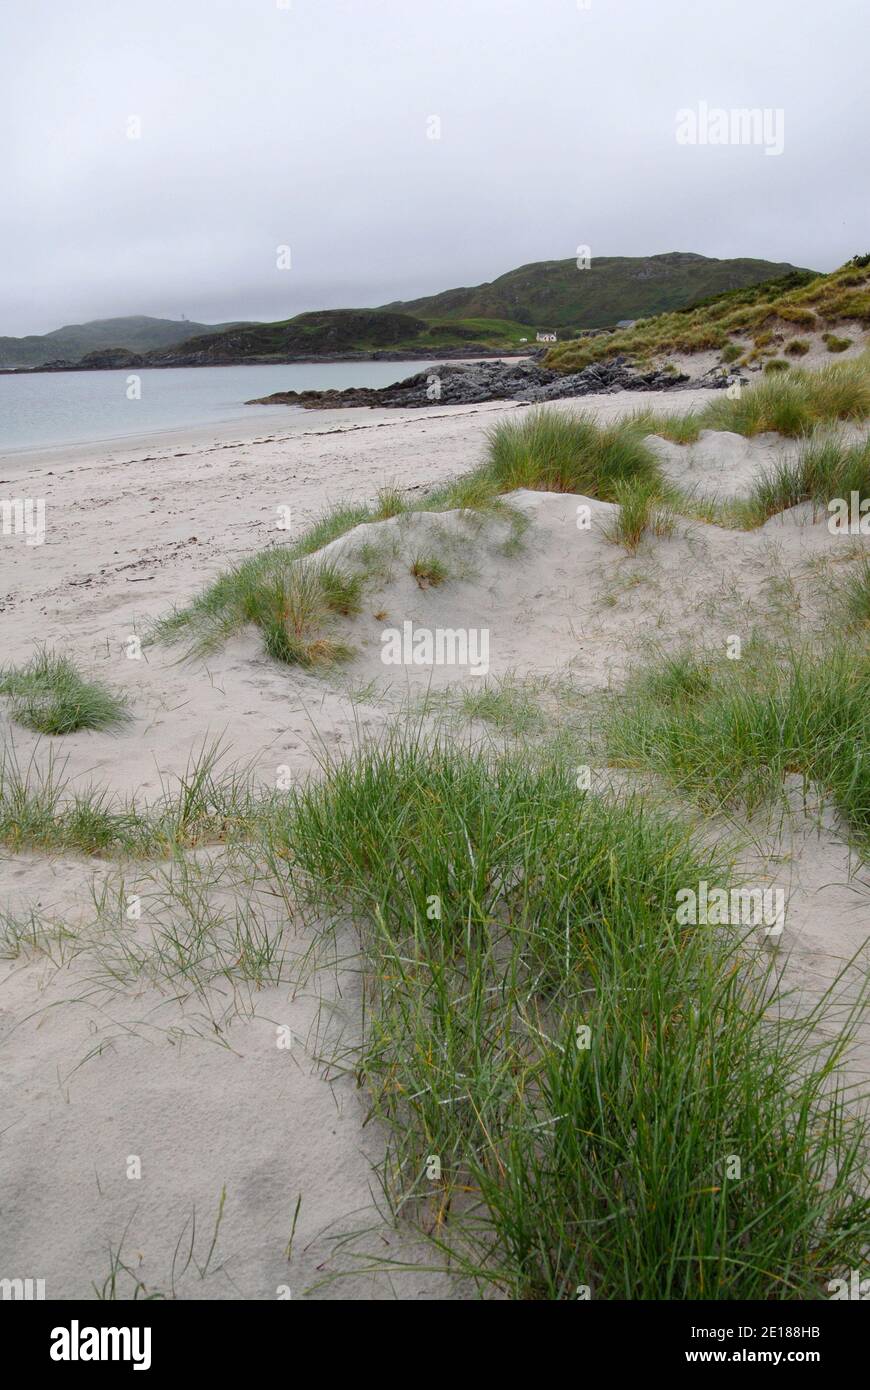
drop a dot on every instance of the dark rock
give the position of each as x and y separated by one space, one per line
472 383
718 378
109 358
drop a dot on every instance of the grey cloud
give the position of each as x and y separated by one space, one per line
308 126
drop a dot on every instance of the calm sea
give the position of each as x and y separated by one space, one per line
87 407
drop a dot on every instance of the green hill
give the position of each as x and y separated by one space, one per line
337 332
136 334
555 294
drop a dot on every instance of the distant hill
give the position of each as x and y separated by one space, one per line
342 332
556 294
137 334
501 316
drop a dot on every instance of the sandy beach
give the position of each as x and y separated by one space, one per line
138 1117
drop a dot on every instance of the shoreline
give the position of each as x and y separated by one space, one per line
183 441
196 440
250 424
322 359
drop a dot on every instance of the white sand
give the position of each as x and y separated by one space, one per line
194 1083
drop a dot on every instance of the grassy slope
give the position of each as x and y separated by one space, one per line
352 330
733 320
555 294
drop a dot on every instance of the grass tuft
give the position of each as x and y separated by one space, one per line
825 468
854 594
50 696
641 511
556 451
749 724
292 603
835 344
429 571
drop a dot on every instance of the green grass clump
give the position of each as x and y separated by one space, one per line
835 344
580 1064
642 511
292 603
798 347
678 679
680 429
777 364
796 402
333 523
794 313
50 696
508 704
391 502
554 451
753 723
429 571
825 468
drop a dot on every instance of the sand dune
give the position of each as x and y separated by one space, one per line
107 1063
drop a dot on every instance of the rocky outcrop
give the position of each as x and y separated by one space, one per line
110 359
101 360
471 383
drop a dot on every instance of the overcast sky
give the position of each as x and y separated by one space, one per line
307 123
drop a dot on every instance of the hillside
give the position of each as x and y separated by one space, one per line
556 295
497 317
501 317
793 315
136 334
343 332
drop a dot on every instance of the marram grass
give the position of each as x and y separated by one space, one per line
293 598
50 696
727 733
583 1095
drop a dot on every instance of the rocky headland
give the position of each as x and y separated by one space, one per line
471 383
